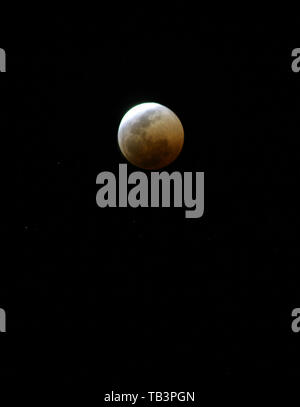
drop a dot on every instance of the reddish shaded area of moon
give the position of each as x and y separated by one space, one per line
150 136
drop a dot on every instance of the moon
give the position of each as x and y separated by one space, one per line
150 136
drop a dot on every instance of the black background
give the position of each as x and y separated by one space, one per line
133 298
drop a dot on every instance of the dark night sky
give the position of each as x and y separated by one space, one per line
144 295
